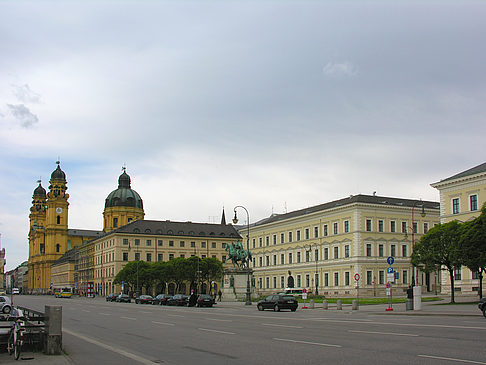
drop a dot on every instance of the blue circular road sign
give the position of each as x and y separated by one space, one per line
390 260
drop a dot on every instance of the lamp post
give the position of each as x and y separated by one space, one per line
316 259
235 220
422 213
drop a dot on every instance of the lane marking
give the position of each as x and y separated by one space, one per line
146 312
452 359
306 342
175 315
130 318
87 311
104 314
210 330
403 324
219 320
116 350
385 333
164 323
280 325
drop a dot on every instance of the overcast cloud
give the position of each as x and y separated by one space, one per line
274 105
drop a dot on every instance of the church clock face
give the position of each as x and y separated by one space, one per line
58 210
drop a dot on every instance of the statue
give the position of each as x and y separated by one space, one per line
238 255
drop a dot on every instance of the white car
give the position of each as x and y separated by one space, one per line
5 304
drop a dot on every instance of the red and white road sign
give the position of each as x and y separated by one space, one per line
356 277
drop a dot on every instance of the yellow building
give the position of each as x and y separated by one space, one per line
461 199
49 236
322 248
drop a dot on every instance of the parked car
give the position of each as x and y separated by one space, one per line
111 297
125 298
144 299
5 304
161 299
482 306
278 302
178 299
205 300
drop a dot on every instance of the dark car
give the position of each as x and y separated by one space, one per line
125 298
205 300
111 297
482 306
178 299
277 302
161 299
144 299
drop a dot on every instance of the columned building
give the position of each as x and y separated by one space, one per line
461 198
327 247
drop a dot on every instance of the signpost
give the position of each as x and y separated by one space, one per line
356 278
390 277
304 296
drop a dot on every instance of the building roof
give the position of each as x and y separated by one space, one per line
170 228
84 233
352 199
472 171
124 196
69 256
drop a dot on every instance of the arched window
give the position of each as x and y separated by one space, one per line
58 219
58 247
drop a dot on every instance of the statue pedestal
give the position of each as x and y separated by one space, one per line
235 283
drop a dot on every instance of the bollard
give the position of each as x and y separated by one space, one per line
311 304
355 305
325 304
339 305
409 304
53 315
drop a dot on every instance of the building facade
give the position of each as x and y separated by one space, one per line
461 198
332 248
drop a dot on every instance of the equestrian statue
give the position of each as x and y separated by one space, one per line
238 255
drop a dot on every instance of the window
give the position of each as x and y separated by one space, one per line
335 228
404 250
346 226
475 275
282 238
275 259
171 243
455 206
260 283
298 256
381 277
326 254
203 244
223 259
267 260
149 242
137 242
125 241
260 261
267 240
58 247
316 232
307 281
326 279
336 279
415 227
298 235
125 256
159 243
380 225
274 239
346 278
274 281
160 257
325 230
404 227
260 242
290 257
336 252
457 273
137 256
253 242
282 282
307 256
393 226
282 259
369 277
213 244
368 225
316 255
290 236
346 251
405 276
426 227
368 249
299 281
307 233
267 280
393 251
380 251
473 202
115 222
149 257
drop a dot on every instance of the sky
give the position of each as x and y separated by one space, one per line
272 105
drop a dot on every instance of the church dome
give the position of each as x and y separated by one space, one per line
58 174
124 196
40 191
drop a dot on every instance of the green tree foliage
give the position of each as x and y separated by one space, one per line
133 273
439 249
211 269
472 249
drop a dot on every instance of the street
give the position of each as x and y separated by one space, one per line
95 331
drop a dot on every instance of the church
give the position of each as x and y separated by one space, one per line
60 256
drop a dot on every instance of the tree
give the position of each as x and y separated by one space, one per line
438 249
211 269
472 248
134 274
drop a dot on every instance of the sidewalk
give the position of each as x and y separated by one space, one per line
35 358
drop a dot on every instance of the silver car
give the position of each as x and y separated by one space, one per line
5 304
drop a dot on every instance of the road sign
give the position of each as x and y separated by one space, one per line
389 270
388 291
390 260
396 275
356 277
388 285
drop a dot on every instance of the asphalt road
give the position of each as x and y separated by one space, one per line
95 331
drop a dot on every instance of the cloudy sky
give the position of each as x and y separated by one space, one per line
274 105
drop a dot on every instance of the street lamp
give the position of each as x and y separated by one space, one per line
316 259
235 220
422 213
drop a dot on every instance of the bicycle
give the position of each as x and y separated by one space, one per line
16 337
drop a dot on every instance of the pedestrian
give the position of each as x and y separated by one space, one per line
219 295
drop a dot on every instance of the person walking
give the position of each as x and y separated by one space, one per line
219 295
